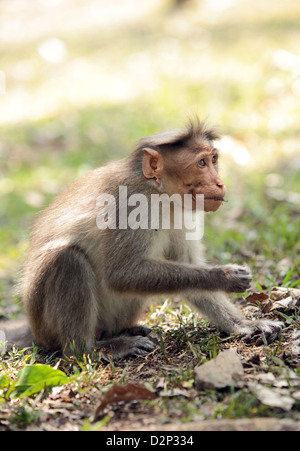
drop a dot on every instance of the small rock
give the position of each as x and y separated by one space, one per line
284 266
266 378
296 395
275 398
224 371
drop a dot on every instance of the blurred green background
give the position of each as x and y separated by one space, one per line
82 80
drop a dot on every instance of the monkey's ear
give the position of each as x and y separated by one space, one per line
152 164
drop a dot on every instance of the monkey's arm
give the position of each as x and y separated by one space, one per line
158 276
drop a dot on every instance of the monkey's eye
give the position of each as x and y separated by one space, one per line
214 159
201 162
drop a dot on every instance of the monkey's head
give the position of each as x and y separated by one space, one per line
185 162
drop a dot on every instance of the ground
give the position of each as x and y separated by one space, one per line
184 341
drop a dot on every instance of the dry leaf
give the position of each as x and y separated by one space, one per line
267 306
257 297
280 298
126 393
279 293
283 304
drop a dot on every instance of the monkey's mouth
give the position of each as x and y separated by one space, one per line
214 198
217 199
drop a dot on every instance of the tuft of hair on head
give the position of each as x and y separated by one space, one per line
200 129
195 129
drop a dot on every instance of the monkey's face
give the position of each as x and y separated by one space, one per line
196 173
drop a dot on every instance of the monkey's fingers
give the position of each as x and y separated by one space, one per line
241 270
240 284
238 278
237 269
243 273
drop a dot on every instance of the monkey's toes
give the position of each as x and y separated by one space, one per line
138 345
143 345
269 336
137 330
124 346
263 332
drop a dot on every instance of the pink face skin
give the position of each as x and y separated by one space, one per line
204 179
188 172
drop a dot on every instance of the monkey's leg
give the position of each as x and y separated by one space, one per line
62 303
230 319
16 333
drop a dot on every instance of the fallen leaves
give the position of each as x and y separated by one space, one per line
126 393
280 299
254 298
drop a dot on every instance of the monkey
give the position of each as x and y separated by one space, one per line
85 286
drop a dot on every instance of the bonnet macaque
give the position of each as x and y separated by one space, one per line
89 273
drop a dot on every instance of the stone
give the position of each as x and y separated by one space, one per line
225 370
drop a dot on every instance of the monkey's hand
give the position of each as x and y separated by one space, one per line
236 279
262 331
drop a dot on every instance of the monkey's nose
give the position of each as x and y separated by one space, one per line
222 187
219 182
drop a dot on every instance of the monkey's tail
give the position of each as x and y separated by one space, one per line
16 334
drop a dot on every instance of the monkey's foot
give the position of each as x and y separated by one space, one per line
137 330
262 331
124 346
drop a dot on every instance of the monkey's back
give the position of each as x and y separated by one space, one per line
70 220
